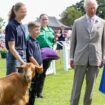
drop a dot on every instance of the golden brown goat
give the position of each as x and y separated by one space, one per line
14 88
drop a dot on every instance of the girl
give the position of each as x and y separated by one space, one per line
15 38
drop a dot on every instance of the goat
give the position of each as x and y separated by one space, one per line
14 88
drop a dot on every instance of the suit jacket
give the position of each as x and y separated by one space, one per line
88 46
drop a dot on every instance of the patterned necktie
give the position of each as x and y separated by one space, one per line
91 21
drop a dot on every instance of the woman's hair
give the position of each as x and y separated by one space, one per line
42 15
15 7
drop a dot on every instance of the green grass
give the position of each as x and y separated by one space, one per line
58 87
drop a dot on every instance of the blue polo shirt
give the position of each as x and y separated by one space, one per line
33 49
15 31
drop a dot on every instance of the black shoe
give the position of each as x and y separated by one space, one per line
40 96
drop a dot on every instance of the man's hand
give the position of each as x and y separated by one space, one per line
101 65
72 63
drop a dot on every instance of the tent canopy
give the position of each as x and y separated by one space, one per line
55 23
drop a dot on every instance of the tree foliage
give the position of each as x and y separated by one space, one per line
70 14
75 11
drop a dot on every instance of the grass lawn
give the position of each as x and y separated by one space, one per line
58 87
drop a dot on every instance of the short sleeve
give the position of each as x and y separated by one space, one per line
29 49
10 33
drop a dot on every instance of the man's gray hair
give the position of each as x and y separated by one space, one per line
86 2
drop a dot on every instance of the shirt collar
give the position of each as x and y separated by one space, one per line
47 28
16 22
94 18
32 38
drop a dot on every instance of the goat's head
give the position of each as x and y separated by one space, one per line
30 70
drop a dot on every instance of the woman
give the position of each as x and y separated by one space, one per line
61 38
45 39
15 38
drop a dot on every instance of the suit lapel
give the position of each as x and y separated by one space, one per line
87 26
95 23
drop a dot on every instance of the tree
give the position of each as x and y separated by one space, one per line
1 23
80 6
69 15
100 9
77 10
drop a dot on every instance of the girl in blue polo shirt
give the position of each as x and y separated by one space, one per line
15 38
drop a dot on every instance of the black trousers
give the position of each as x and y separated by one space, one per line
46 64
38 83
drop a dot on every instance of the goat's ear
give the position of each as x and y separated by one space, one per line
20 67
38 68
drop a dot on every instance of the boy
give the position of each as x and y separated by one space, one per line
34 56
